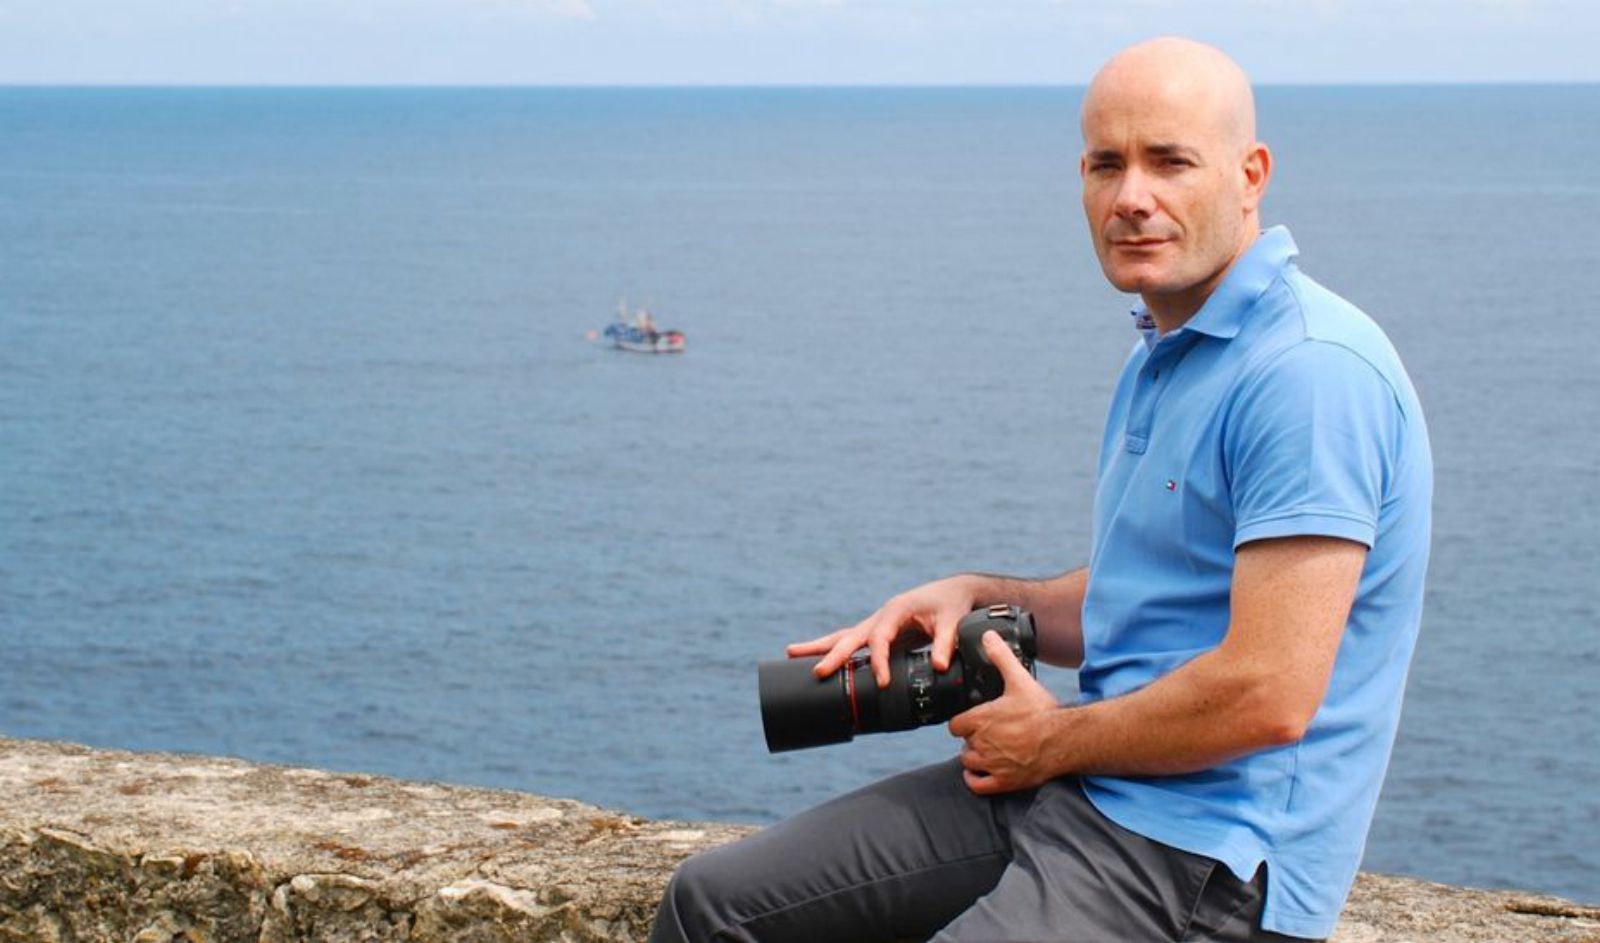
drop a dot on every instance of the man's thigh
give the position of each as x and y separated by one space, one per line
894 860
1077 877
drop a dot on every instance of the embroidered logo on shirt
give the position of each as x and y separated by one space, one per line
1172 485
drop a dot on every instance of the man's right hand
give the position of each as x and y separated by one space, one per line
934 609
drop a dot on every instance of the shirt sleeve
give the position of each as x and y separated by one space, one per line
1310 446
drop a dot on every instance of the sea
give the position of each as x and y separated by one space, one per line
306 455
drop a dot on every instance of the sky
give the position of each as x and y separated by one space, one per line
778 42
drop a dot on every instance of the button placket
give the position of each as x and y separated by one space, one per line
1147 388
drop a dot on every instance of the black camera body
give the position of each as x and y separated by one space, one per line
800 710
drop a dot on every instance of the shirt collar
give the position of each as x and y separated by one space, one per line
1223 313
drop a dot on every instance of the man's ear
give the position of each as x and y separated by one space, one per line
1257 170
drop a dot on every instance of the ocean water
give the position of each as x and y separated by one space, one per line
304 456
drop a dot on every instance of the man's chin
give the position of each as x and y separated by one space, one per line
1136 282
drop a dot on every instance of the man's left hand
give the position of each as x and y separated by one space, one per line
1005 738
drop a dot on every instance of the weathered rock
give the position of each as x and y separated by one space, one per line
98 845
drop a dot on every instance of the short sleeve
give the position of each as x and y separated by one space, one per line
1309 446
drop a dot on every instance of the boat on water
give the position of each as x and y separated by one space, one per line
639 333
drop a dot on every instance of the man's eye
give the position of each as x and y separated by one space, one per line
1177 162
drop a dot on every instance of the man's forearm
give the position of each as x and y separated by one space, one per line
1200 716
1057 606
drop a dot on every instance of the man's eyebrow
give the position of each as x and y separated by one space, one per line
1158 150
1164 149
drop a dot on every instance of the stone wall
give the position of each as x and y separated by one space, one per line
97 845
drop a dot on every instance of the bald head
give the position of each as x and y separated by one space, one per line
1173 175
1183 75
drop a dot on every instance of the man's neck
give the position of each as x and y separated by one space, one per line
1172 311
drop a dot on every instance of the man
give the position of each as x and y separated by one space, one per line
1242 631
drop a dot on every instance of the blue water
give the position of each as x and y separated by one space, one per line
304 456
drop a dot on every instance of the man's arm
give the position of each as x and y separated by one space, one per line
1260 688
936 608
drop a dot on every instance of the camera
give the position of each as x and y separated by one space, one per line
800 710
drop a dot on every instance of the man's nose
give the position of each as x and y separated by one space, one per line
1134 196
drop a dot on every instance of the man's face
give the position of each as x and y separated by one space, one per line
1164 190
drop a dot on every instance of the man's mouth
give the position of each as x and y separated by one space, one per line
1143 242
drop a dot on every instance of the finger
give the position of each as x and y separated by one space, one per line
982 785
850 640
878 645
971 760
830 662
1004 659
944 644
815 646
847 645
966 723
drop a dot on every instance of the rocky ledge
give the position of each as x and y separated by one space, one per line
97 845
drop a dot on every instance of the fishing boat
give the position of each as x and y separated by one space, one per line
639 333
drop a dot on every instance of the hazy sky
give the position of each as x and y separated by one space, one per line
662 42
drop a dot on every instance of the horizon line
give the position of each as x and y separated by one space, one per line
735 86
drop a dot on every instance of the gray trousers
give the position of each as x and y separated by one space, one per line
919 856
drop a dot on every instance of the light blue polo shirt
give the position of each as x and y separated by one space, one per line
1279 409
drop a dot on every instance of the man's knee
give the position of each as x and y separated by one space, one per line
686 912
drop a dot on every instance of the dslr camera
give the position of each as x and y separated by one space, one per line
800 710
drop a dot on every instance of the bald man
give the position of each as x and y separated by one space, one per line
1242 632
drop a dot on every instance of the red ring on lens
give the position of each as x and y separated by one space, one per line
850 691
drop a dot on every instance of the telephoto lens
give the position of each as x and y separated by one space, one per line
800 710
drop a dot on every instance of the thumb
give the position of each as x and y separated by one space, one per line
1006 660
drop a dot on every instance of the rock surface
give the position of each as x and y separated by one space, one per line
97 845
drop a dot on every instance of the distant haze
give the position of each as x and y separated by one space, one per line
783 42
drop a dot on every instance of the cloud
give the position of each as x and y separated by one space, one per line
565 9
560 9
